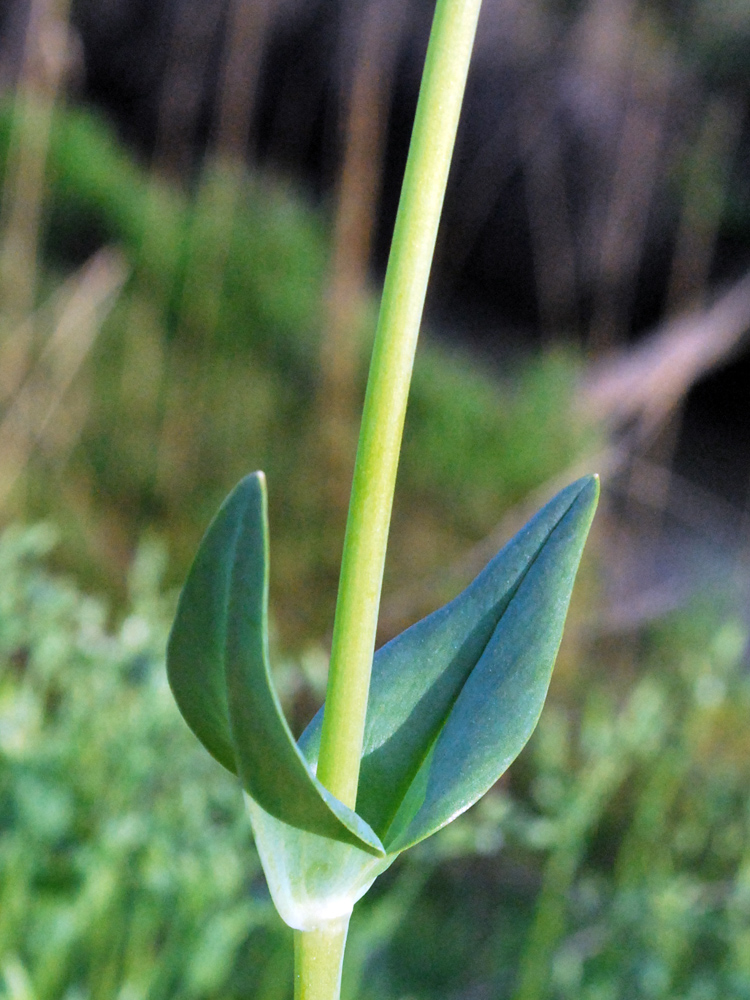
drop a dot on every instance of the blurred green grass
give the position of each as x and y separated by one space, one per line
614 864
611 863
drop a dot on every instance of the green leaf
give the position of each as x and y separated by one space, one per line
195 650
218 668
454 699
311 879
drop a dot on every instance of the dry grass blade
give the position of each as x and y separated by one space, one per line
358 191
704 202
247 35
640 162
45 61
38 399
694 506
644 383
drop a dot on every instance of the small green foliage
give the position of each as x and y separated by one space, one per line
126 868
218 667
452 700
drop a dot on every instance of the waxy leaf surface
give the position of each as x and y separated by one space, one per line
454 699
218 668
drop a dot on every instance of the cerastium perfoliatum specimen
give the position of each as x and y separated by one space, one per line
413 735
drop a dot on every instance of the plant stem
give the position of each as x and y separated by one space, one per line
363 560
318 957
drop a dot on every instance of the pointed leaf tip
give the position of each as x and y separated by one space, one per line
499 705
195 649
454 698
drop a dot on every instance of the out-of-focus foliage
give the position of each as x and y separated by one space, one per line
126 863
615 864
208 367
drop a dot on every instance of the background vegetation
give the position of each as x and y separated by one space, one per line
614 864
157 341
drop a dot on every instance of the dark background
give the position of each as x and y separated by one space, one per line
594 136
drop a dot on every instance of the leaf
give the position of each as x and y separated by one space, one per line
454 699
218 668
195 649
312 879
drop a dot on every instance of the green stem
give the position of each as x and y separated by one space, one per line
318 957
363 560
